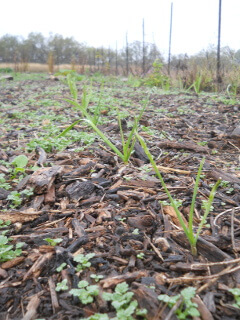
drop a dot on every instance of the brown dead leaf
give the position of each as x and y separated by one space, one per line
169 210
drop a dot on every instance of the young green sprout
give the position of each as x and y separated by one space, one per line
187 228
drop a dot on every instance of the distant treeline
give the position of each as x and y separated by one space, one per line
135 58
37 49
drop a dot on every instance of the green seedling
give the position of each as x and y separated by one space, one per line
135 231
121 219
96 277
186 307
6 252
83 261
140 255
157 78
188 229
236 294
127 145
196 84
16 197
53 242
62 286
98 316
202 143
177 202
122 302
4 224
232 90
19 163
224 184
3 183
85 293
61 267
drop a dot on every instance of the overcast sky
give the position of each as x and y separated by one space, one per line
105 22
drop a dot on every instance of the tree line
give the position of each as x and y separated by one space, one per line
65 50
135 58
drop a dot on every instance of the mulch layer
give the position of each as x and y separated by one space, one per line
97 204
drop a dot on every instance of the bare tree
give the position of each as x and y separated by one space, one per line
170 39
219 78
127 61
143 48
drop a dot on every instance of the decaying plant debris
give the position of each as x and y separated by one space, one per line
97 204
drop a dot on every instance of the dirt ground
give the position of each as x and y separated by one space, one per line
86 196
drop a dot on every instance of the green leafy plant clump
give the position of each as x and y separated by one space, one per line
6 70
186 307
236 293
16 197
157 78
83 261
6 250
127 143
86 292
122 302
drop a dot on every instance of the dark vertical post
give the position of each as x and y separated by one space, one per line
143 49
127 57
170 40
219 79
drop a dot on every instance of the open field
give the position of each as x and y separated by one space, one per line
79 212
41 67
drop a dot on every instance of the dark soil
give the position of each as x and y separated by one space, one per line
97 204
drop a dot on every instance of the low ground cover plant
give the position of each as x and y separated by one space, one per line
186 307
8 251
157 78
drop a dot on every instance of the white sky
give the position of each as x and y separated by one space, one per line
103 22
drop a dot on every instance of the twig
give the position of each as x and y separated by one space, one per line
154 248
53 294
211 264
222 213
204 278
232 232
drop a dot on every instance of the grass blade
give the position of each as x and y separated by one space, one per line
144 146
208 208
62 134
191 213
105 139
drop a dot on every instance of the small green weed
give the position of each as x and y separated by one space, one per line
83 261
187 307
188 229
4 224
96 277
86 292
6 70
3 184
236 294
53 242
62 286
61 267
127 144
157 78
98 316
6 250
122 302
140 255
135 231
16 197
